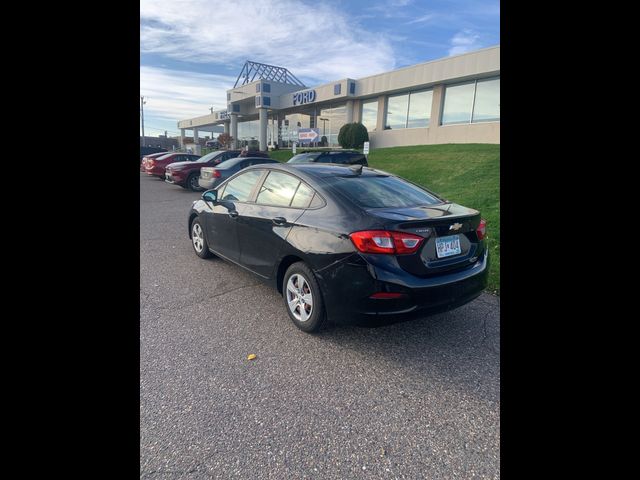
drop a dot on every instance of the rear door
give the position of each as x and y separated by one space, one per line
264 225
221 219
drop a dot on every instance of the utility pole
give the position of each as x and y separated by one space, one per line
142 102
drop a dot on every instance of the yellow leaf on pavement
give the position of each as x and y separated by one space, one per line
251 356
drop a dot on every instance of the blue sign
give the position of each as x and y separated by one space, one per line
301 98
308 135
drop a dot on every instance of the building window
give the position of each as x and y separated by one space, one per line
257 88
337 88
397 107
369 116
419 109
236 108
409 110
487 105
472 102
258 99
352 88
266 87
266 101
228 97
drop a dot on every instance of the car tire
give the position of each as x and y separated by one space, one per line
198 241
302 298
192 182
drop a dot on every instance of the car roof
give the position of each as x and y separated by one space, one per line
320 170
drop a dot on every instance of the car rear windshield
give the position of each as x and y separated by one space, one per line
232 162
304 157
382 192
208 156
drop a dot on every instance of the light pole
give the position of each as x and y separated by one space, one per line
142 102
323 120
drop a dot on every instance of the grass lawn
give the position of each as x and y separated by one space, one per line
468 174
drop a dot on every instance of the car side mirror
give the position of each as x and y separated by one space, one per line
210 196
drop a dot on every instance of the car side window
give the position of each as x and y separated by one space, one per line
302 197
324 159
339 158
239 189
278 189
355 158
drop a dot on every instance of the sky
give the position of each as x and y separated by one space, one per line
192 51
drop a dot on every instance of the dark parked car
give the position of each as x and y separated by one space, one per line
186 174
212 144
156 166
253 153
348 157
344 242
146 158
212 176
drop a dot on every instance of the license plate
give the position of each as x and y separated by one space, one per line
447 246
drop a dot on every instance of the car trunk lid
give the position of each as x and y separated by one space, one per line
449 231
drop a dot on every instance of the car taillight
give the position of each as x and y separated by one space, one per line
383 241
150 163
481 231
216 173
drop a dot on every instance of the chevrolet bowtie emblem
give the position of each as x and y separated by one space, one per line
455 226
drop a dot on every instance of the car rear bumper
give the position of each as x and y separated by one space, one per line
206 184
419 296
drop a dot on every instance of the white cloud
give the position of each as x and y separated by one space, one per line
174 95
423 18
315 41
464 41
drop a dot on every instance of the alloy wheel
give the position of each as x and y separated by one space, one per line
197 237
299 297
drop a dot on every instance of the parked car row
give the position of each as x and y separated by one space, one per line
183 169
337 239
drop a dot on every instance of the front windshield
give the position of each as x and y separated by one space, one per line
304 157
208 156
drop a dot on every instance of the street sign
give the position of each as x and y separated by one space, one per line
366 148
308 135
294 148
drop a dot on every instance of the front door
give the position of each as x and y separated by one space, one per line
263 226
221 220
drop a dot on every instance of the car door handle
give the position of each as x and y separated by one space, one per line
279 221
233 213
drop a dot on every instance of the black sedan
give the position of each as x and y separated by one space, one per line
210 177
347 243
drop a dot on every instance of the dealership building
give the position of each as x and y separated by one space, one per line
451 100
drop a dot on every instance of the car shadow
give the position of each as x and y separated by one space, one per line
460 347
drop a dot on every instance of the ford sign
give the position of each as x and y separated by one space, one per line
301 98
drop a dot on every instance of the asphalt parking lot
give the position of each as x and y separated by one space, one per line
414 400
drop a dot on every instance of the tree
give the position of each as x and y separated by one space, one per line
225 140
353 135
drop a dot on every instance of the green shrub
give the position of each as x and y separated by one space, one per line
353 135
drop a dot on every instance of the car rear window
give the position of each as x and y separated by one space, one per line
382 192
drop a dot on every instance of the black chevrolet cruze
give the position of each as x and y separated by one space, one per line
348 243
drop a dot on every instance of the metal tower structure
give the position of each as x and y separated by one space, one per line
262 71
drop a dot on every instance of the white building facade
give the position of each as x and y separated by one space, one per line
452 100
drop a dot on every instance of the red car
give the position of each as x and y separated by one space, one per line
156 166
143 162
186 174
